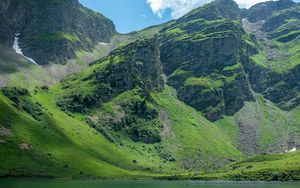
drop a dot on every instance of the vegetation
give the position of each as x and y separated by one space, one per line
195 98
56 36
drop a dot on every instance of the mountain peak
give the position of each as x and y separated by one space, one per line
217 9
263 10
224 2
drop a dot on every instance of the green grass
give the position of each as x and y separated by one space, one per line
271 167
205 82
59 143
229 128
272 125
56 36
290 52
194 141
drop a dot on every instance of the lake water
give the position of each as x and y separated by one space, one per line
139 184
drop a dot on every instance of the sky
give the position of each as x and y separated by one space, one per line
134 15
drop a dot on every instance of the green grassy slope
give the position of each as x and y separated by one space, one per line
288 57
266 167
192 139
59 146
272 167
261 126
119 119
17 71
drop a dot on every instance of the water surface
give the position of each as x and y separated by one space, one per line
140 184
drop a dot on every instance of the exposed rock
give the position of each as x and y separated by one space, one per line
167 130
5 132
203 56
25 147
136 65
69 27
262 11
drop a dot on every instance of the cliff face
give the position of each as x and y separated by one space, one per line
262 11
51 31
203 55
136 65
274 70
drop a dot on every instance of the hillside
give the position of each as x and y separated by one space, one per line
211 95
70 27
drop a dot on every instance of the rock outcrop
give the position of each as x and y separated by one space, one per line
52 30
203 55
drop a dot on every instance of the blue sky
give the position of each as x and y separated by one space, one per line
133 15
127 15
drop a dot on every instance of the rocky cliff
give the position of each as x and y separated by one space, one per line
203 55
52 31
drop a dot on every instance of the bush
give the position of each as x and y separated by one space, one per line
22 100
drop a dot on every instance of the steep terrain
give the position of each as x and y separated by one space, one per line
203 53
277 62
70 27
214 94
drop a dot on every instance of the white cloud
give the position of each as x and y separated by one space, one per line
248 3
180 7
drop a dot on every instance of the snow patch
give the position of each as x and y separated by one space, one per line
292 150
18 50
103 43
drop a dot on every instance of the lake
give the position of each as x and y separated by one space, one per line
140 184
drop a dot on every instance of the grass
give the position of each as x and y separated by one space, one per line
272 125
290 52
59 143
193 139
197 30
229 128
56 36
205 82
271 167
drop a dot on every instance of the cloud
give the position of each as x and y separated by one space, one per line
180 7
248 3
177 7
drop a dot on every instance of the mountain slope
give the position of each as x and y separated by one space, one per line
277 62
70 27
203 53
190 96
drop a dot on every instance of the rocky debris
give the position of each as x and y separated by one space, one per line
248 141
167 132
94 118
25 147
281 88
5 132
268 46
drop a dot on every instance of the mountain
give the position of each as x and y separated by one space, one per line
211 95
52 31
279 67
